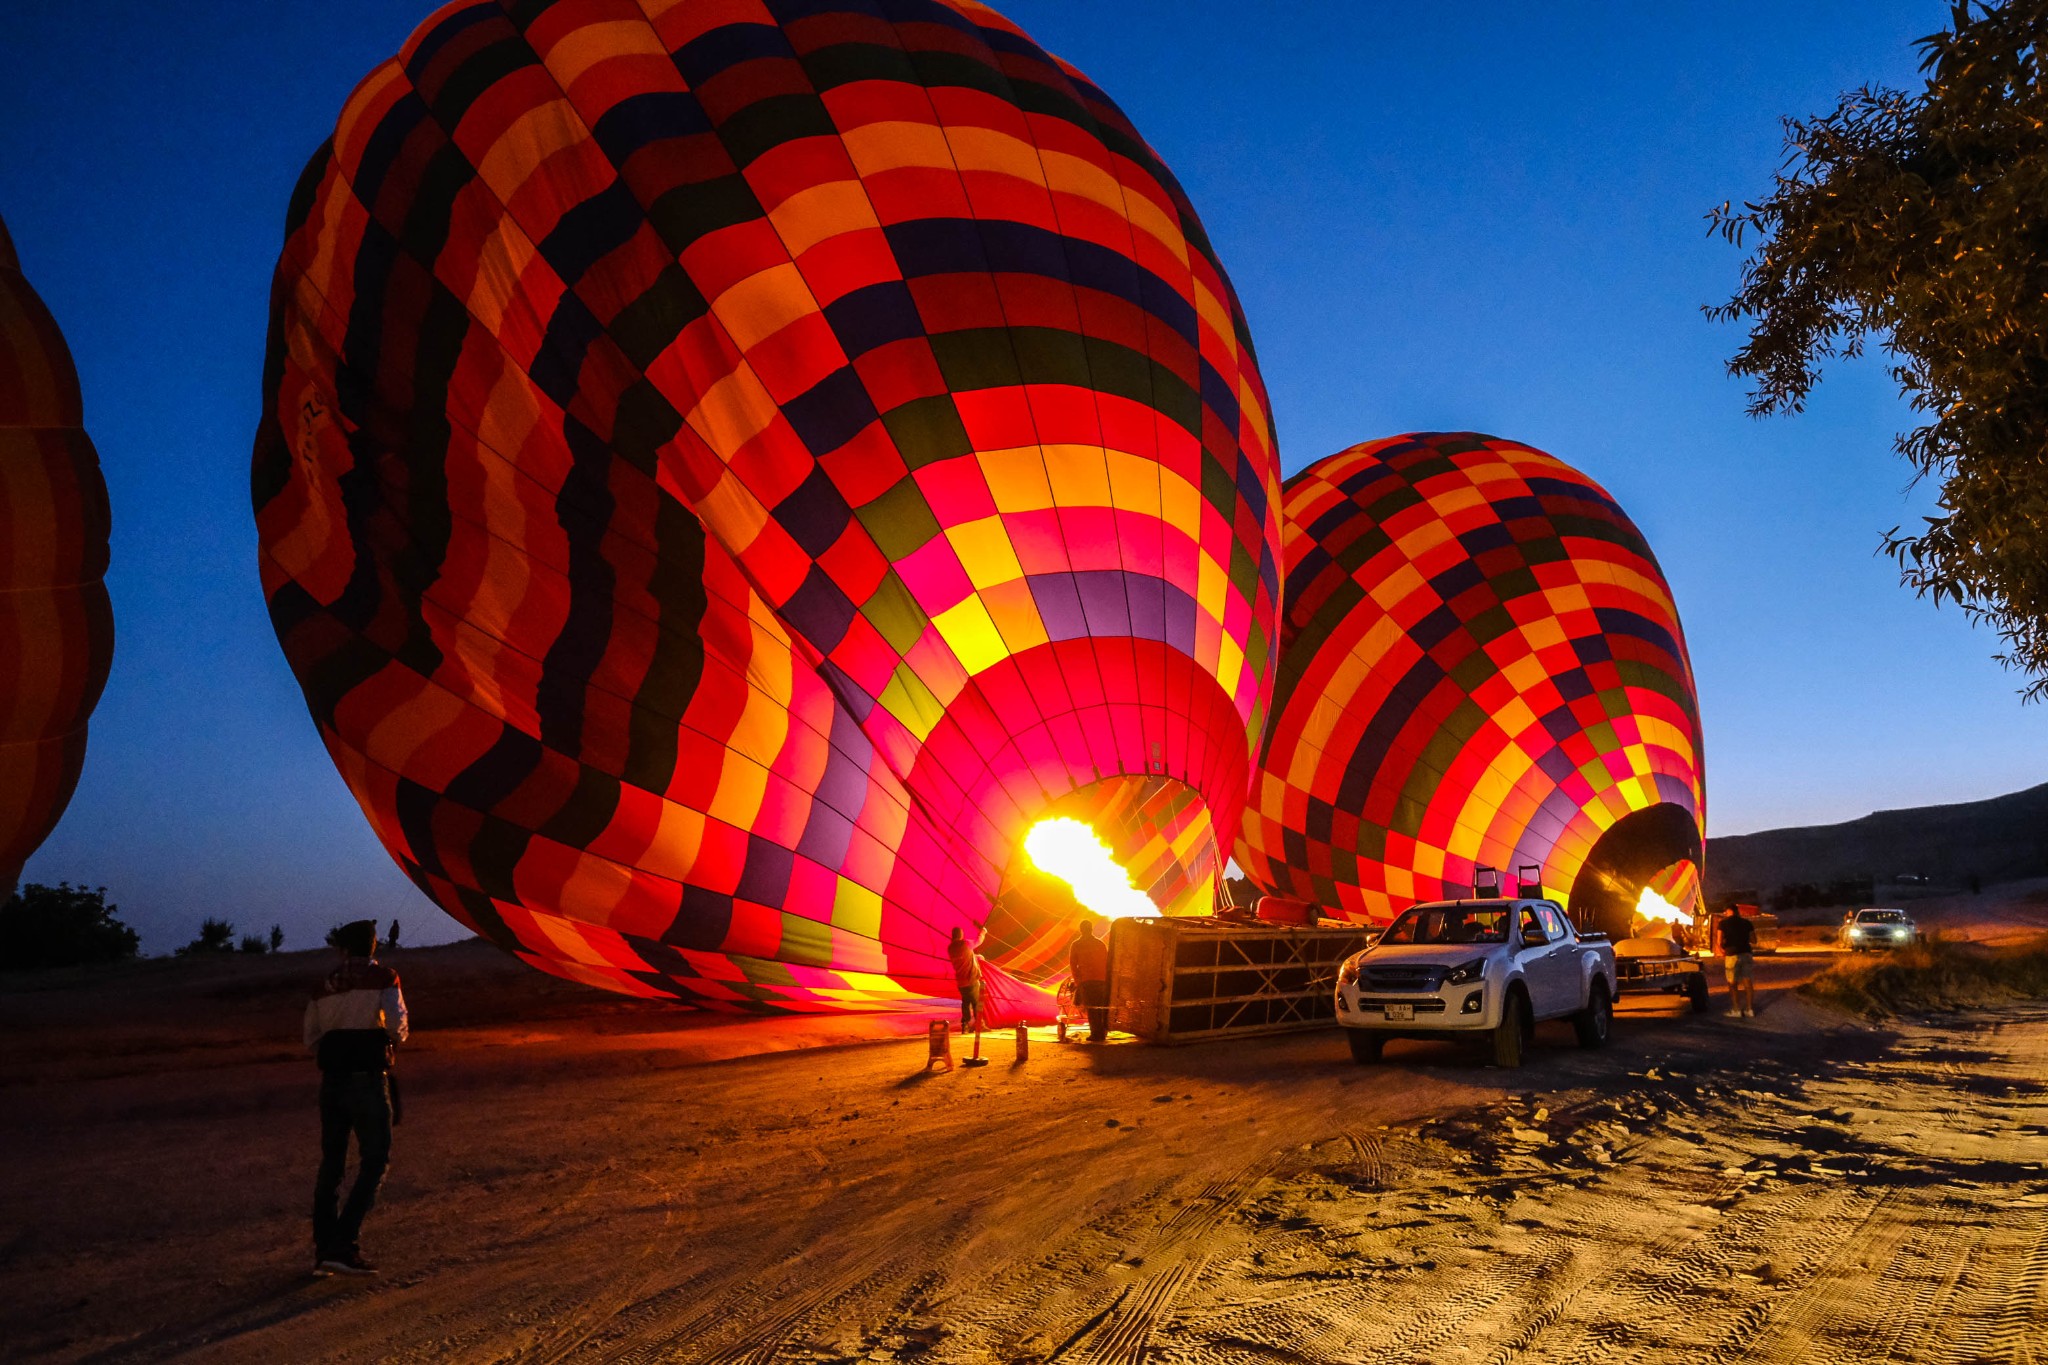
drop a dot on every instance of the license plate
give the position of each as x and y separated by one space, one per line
1400 1014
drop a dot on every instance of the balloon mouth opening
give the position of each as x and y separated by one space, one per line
1070 851
1657 850
1124 846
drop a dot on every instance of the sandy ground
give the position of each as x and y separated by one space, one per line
583 1179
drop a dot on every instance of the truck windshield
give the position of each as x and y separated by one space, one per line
1882 917
1450 924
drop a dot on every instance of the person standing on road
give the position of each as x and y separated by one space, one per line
354 1024
1088 959
966 976
1737 938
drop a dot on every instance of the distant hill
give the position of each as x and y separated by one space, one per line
2003 839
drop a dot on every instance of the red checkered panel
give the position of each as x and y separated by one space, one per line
1481 665
730 466
56 628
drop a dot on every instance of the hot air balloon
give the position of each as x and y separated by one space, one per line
56 627
729 472
1481 666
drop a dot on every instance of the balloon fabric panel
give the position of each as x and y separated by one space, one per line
1481 665
56 627
728 470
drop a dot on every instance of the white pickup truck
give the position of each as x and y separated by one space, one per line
1479 969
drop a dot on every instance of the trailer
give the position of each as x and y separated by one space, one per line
1191 978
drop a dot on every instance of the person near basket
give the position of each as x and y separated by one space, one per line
1088 958
1738 951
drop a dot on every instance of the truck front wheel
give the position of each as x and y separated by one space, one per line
1365 1045
1595 1022
1511 1036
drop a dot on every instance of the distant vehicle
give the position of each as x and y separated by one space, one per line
1483 970
1766 925
1653 966
1872 929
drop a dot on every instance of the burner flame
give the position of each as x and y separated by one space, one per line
1071 851
1653 907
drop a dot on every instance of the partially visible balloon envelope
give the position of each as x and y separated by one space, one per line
56 627
1481 665
728 470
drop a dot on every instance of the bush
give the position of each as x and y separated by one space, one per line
61 926
1934 975
252 943
215 936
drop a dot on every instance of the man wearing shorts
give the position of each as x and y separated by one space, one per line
1738 952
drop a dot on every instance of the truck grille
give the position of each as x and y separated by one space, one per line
1403 977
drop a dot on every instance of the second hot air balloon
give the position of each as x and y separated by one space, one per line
1482 666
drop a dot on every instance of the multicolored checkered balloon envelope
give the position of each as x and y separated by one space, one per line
1481 665
730 469
56 628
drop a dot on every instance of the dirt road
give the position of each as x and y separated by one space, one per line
573 1183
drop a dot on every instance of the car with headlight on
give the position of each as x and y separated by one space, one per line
1873 929
1487 971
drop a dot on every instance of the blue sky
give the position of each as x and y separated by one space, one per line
1480 216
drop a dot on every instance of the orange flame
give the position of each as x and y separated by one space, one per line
1654 907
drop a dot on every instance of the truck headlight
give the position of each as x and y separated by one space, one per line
1348 973
1468 971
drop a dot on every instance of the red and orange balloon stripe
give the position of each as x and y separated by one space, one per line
56 627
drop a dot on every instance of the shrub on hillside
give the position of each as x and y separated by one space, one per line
215 936
61 926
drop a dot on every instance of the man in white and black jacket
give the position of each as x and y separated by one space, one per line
353 1024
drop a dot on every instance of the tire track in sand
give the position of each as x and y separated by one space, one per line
2010 1324
1945 1240
1761 1329
1124 1331
1039 1296
758 1318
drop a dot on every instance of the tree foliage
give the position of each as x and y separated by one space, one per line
61 926
1921 220
215 936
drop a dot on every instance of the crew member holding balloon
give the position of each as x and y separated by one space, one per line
967 976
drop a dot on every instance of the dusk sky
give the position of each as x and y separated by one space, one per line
1482 217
